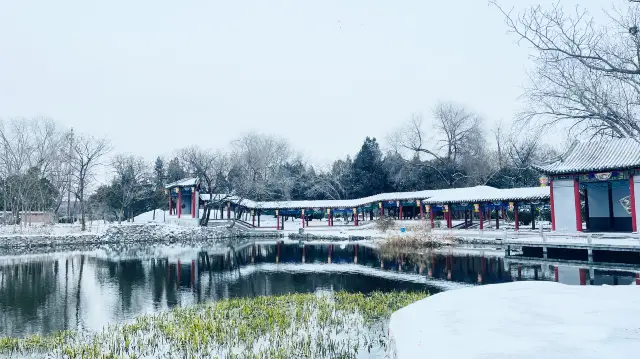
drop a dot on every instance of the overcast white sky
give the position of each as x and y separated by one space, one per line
323 74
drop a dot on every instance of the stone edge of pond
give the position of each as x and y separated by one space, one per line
315 237
142 233
472 240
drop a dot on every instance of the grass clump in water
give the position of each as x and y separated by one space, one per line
338 325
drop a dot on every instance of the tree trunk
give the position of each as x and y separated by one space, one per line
84 225
205 214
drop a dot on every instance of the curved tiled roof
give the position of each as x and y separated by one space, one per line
450 195
489 194
613 154
185 182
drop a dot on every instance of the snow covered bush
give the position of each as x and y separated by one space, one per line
384 224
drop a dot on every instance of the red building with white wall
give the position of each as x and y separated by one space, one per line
184 198
595 187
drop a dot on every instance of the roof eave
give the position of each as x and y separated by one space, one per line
588 170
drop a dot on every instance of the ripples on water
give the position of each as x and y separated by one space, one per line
90 289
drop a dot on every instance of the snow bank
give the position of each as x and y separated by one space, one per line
146 217
520 320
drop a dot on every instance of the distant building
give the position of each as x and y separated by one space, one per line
27 217
607 175
184 198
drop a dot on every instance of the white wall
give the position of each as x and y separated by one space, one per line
636 182
564 205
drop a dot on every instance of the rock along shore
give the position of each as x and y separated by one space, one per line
131 233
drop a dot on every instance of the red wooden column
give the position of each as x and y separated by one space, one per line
451 216
328 217
553 213
302 217
447 215
229 210
430 210
179 202
277 222
583 276
253 217
497 218
515 215
355 217
576 194
632 199
480 209
193 202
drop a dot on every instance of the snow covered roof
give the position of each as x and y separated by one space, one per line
619 153
226 197
489 194
343 203
185 182
451 195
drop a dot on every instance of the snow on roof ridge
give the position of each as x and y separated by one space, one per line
593 156
184 182
447 195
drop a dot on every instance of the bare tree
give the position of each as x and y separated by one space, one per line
212 168
499 137
587 74
258 161
87 153
132 175
16 157
327 186
28 164
453 136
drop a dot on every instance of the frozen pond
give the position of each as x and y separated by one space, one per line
87 290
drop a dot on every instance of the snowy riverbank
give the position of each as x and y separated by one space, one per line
126 233
520 320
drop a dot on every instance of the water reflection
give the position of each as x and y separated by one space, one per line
41 294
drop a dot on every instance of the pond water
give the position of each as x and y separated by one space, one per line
86 290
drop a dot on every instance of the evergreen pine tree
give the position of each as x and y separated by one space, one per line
369 176
175 171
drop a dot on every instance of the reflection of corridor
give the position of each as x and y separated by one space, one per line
457 268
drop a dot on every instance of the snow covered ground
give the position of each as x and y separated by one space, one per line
520 320
368 229
58 229
147 217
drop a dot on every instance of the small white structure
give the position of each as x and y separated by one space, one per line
524 320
